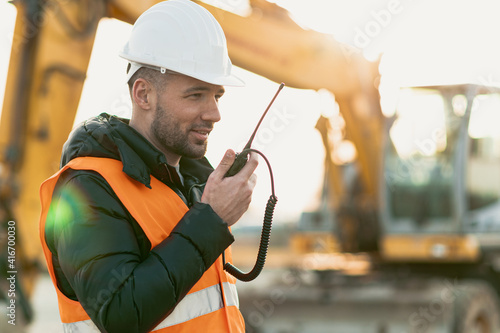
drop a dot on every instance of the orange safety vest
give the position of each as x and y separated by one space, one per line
203 307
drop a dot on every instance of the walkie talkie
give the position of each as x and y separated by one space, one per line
239 163
242 158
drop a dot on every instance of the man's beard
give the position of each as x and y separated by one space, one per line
170 136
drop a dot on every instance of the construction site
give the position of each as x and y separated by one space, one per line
384 145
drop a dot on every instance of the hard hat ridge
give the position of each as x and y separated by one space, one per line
180 36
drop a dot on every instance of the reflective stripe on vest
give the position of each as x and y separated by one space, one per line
203 307
193 305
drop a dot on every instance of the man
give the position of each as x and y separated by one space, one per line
134 224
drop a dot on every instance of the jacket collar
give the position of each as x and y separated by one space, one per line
112 137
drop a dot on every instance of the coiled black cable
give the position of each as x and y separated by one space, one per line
264 237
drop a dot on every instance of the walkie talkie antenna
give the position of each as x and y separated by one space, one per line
249 143
242 158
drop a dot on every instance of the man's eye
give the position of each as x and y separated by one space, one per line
194 96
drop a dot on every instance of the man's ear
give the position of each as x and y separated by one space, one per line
143 94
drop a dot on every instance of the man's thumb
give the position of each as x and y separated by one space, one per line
226 162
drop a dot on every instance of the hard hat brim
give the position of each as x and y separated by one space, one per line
230 80
226 80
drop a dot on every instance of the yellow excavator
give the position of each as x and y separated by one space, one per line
395 217
421 255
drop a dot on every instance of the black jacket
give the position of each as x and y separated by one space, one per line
101 256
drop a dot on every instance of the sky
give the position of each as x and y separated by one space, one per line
419 42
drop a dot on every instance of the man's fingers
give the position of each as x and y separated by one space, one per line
252 181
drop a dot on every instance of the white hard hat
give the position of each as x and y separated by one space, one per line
183 37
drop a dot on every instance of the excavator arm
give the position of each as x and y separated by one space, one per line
49 57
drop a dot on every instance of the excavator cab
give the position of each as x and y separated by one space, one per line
441 173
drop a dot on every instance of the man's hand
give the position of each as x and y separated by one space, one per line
230 197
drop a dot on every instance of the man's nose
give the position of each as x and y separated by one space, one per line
212 113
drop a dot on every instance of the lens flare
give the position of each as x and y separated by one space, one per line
68 204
